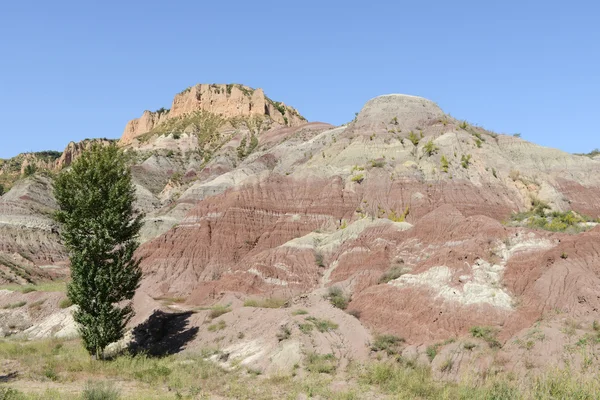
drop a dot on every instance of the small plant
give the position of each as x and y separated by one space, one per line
486 333
388 343
284 333
219 326
431 351
447 365
218 310
358 178
176 135
29 170
444 164
344 224
478 143
100 391
430 148
517 135
337 298
306 328
377 163
564 256
465 161
394 121
319 260
463 125
413 138
300 312
469 346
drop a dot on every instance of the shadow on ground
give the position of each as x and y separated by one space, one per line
163 334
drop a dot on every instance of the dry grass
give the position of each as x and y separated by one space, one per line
63 370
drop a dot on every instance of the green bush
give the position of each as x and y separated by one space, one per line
413 138
486 333
465 161
219 326
218 310
271 302
444 164
358 178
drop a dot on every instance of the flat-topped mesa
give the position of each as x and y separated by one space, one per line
407 112
231 100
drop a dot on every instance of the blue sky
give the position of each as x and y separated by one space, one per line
70 70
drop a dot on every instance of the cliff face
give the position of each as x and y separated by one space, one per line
227 101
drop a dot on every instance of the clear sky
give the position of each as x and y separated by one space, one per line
71 70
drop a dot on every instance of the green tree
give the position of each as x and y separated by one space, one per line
100 228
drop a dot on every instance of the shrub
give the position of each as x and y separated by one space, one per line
28 289
176 135
447 365
430 148
463 125
358 178
431 351
337 298
319 260
29 170
478 143
7 393
388 343
100 391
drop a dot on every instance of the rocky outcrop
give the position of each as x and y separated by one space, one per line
227 101
75 149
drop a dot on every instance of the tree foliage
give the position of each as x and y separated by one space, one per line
100 229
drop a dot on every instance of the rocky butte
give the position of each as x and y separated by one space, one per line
411 222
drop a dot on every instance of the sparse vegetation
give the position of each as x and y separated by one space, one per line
320 363
393 273
271 302
65 303
539 217
322 325
377 163
337 298
100 391
219 326
300 312
388 343
358 178
465 161
430 148
413 138
284 333
218 310
444 164
463 125
486 333
11 306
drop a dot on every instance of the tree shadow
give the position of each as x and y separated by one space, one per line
163 334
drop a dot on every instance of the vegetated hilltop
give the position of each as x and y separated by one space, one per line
480 251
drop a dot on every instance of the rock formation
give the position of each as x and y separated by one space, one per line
228 101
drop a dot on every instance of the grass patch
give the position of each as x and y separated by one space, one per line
486 333
65 303
271 302
323 325
300 312
320 363
100 391
219 326
52 286
11 306
393 273
306 328
388 343
218 310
